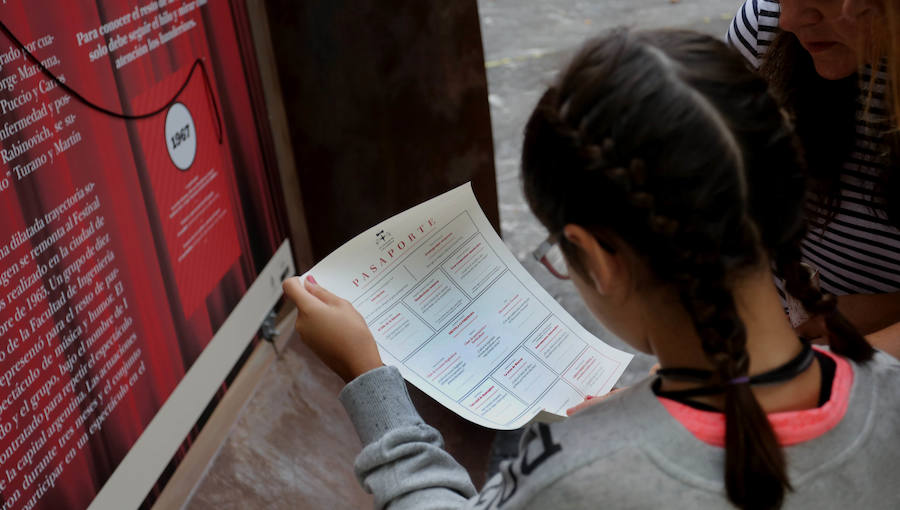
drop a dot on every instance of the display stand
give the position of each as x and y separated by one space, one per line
372 108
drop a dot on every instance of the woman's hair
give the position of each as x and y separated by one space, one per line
824 113
665 140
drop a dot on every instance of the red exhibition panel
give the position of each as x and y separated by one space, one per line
124 244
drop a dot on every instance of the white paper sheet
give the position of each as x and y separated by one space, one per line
453 309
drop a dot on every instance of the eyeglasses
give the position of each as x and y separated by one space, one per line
551 256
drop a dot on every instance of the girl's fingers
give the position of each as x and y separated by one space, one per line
296 292
589 401
313 287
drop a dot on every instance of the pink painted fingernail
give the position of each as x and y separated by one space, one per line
588 397
311 280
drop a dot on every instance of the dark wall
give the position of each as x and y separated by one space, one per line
387 107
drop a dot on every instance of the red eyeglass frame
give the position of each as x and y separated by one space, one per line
540 254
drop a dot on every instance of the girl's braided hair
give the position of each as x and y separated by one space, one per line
648 136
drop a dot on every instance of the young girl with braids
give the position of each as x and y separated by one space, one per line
669 179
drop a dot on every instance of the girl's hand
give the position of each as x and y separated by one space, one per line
589 401
592 400
332 328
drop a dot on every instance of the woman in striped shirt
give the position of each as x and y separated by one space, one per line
810 51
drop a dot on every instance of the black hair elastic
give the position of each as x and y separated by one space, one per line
785 372
156 111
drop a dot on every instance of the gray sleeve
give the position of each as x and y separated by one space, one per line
403 463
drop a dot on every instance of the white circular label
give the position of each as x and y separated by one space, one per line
181 137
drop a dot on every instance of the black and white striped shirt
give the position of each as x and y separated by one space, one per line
858 252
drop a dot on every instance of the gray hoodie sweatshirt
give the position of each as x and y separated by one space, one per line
626 452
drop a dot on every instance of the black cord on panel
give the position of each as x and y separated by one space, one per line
198 64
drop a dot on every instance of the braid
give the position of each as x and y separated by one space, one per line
629 181
597 165
755 475
843 337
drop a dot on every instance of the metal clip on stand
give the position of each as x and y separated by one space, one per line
268 331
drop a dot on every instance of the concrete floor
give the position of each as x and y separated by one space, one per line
267 461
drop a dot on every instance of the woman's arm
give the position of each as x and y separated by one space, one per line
875 315
871 312
887 339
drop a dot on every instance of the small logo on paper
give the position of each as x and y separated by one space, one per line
383 239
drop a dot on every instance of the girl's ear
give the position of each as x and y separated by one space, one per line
605 268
